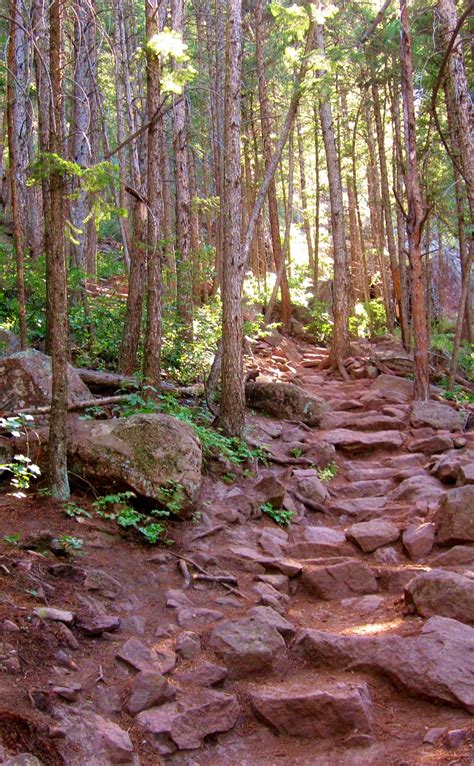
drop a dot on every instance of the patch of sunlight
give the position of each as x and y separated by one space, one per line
372 627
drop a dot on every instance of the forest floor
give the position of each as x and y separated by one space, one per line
158 607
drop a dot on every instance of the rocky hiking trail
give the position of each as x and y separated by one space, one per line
344 638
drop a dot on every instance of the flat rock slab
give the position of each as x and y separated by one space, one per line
195 714
365 488
437 415
393 388
455 518
370 535
341 580
372 421
437 664
148 690
145 659
316 712
249 645
418 539
284 400
356 442
439 592
459 556
317 541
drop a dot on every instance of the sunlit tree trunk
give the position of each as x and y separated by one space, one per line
152 361
232 412
340 337
415 214
58 476
267 153
304 196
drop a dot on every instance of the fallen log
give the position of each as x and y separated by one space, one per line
105 381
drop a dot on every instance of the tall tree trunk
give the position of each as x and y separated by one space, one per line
415 215
152 362
83 126
265 120
375 208
184 265
340 336
58 476
232 412
304 196
17 84
317 205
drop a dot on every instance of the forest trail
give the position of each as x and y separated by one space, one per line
262 678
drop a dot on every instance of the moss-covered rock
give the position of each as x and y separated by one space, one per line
146 453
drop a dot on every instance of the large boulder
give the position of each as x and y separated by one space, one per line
26 379
437 663
90 738
393 388
455 517
146 453
319 711
442 417
247 646
284 400
370 535
9 342
445 593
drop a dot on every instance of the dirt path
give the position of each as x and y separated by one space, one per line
333 668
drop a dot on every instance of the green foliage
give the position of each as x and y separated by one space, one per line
74 511
70 543
191 362
172 497
116 507
328 473
279 515
442 341
22 470
322 323
368 319
12 539
296 452
457 393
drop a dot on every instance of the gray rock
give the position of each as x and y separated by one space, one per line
148 690
141 657
247 646
455 518
370 535
207 674
23 759
56 615
184 724
188 645
197 617
284 400
358 442
147 453
436 664
418 539
102 583
9 342
316 712
272 617
437 415
93 740
26 378
341 580
445 593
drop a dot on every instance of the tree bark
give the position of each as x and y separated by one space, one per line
340 336
265 120
232 412
17 84
184 265
416 214
304 196
58 476
152 361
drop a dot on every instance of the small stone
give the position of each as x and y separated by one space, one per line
141 657
418 539
455 738
195 617
148 689
466 474
270 616
205 675
23 759
247 646
102 583
370 535
188 645
433 735
271 490
56 615
98 624
69 692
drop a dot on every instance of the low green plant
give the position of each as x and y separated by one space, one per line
322 322
70 543
296 452
279 515
328 473
21 468
172 497
13 539
116 507
73 510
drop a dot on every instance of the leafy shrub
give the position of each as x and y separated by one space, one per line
368 318
279 515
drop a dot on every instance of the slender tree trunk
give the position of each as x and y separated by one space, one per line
375 207
58 476
267 153
152 362
18 150
184 265
121 133
232 412
415 215
304 197
340 337
83 126
317 205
